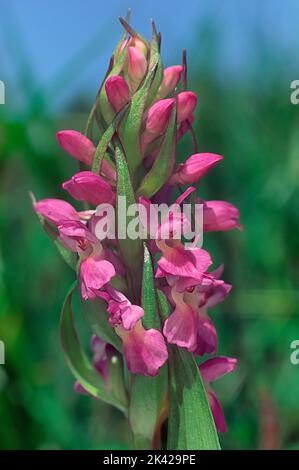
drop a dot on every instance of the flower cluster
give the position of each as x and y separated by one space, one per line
149 111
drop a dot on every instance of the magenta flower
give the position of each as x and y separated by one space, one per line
118 92
137 67
220 216
145 350
186 102
82 149
89 187
94 271
55 210
171 78
211 370
195 167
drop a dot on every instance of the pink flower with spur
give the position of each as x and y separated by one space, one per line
194 168
188 326
83 149
95 271
144 350
89 187
55 210
220 216
211 370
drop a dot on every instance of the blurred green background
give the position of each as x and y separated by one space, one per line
242 58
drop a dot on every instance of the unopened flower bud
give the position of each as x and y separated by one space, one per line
157 119
186 103
118 93
171 78
137 67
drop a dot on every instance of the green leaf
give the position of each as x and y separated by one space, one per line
131 250
155 60
164 163
151 317
190 424
78 362
105 141
148 407
148 403
97 316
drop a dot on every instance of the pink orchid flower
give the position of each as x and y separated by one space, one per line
83 149
171 78
194 168
211 370
95 271
117 91
89 187
144 350
188 326
56 210
220 216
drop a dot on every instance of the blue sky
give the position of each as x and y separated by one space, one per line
54 39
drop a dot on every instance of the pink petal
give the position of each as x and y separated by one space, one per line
178 261
171 77
137 67
196 167
130 315
145 350
186 103
207 340
56 210
220 216
77 145
117 92
180 328
76 230
89 187
94 274
217 412
217 367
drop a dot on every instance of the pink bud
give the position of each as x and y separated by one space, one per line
117 92
55 210
77 145
185 105
89 187
171 78
220 216
195 168
137 67
157 119
139 44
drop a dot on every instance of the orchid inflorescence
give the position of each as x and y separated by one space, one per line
149 298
